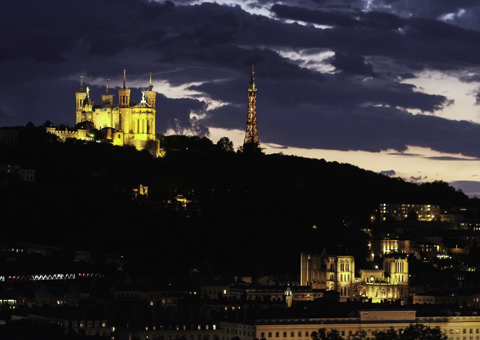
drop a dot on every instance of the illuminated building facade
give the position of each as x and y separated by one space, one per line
370 321
472 300
251 142
125 123
424 212
340 275
391 244
337 273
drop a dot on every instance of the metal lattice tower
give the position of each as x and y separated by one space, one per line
251 135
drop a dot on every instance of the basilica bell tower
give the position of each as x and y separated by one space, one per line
80 101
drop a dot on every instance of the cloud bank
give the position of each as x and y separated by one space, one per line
331 74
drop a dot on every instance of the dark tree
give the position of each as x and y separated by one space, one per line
412 332
225 144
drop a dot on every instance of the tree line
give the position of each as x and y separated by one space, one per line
412 332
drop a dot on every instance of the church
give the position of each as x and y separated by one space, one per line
123 123
337 273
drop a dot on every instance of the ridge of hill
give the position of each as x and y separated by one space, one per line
249 213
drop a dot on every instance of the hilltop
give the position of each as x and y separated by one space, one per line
248 213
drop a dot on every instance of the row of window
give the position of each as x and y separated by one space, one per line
239 332
181 327
292 334
465 331
185 337
344 333
89 324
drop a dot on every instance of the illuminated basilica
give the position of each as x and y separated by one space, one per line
337 273
123 123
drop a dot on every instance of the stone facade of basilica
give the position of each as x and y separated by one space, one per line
124 123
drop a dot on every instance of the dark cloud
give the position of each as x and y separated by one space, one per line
364 106
446 158
405 154
470 78
389 173
463 13
174 114
352 64
314 16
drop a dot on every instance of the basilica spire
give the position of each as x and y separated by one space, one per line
150 95
81 83
107 98
150 87
124 94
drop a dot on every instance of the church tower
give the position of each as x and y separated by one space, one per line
107 98
124 94
151 95
341 275
251 143
124 104
312 270
396 270
80 101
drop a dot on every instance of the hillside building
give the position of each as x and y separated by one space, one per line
422 212
122 123
337 273
133 124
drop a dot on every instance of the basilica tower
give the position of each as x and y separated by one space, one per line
107 98
124 93
251 143
80 101
124 104
151 95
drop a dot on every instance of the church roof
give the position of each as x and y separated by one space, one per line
143 104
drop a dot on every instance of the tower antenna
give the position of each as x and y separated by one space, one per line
251 142
124 80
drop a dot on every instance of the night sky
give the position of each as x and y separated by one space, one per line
392 86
